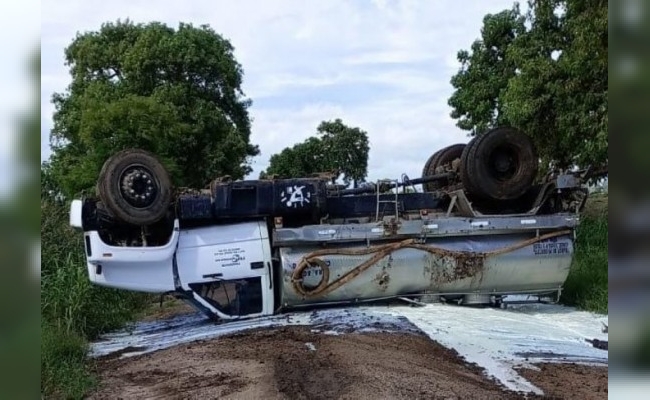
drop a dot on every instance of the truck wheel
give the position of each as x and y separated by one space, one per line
441 157
499 165
135 187
426 168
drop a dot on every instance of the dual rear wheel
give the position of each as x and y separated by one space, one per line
498 165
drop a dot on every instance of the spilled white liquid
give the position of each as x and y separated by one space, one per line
495 339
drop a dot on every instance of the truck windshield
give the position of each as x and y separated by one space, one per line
236 297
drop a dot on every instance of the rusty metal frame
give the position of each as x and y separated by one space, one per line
433 226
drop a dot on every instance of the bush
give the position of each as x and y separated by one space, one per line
73 310
587 284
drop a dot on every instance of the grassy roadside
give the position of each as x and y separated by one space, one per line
73 311
587 284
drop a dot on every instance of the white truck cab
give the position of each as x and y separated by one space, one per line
225 270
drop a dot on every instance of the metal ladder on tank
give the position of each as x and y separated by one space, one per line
393 183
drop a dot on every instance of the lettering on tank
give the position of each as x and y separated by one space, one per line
550 246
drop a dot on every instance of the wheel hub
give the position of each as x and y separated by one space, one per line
138 187
504 164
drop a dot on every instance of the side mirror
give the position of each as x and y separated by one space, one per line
75 214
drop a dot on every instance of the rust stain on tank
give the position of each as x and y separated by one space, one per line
469 265
382 279
450 267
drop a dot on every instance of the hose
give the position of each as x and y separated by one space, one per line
324 287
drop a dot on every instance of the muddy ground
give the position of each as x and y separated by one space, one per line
569 380
294 363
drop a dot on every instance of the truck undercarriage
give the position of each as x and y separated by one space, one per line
480 230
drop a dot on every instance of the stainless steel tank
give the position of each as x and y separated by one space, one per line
490 264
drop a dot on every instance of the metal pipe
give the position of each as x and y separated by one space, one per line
373 188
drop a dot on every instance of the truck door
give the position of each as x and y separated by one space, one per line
228 268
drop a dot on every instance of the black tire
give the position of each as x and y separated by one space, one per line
135 187
499 165
468 184
441 157
428 163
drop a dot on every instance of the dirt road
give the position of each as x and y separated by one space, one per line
295 363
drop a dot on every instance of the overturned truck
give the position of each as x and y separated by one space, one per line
484 226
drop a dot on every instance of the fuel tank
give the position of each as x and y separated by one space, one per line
522 262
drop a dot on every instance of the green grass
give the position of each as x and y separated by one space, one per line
73 311
64 365
587 284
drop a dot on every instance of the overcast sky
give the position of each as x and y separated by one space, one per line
381 65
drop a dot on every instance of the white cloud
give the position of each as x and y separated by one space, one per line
388 57
382 65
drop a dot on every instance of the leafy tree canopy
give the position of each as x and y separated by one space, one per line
545 73
174 92
485 72
336 148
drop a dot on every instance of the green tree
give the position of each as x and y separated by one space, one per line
345 149
175 92
584 65
485 72
336 148
531 98
549 80
300 160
